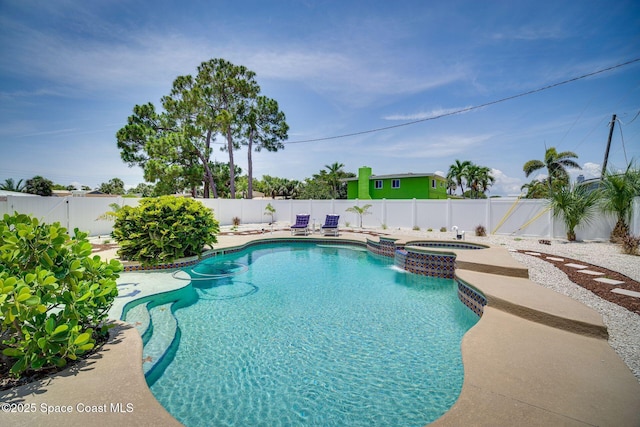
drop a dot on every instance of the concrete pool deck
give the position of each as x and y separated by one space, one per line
535 358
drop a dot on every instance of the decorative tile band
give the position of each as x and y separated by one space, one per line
446 245
385 247
426 264
471 298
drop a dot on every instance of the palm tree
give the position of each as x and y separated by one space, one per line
451 185
457 172
575 205
535 190
270 210
485 179
617 193
364 210
11 185
479 179
334 174
556 164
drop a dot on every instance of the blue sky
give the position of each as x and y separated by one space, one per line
71 72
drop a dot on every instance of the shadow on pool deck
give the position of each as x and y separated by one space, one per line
536 358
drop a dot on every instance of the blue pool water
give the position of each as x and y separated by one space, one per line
307 335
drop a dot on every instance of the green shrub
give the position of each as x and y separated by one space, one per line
163 229
443 229
54 295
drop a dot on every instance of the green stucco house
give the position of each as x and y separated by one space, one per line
404 186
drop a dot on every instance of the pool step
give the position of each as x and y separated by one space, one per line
164 326
139 318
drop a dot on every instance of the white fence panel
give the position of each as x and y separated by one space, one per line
467 214
46 209
599 228
634 225
84 213
521 218
4 205
504 216
340 208
398 213
432 214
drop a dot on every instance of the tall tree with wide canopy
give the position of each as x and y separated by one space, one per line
264 128
153 142
177 144
226 90
114 186
556 165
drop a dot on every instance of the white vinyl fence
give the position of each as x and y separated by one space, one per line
504 216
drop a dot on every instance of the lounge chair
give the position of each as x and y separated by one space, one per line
302 225
330 226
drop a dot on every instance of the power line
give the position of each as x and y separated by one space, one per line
464 110
624 150
632 120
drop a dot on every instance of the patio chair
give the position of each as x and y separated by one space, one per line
302 225
330 226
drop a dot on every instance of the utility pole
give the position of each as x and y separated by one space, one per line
606 153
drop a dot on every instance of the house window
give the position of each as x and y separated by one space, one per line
395 183
378 184
433 183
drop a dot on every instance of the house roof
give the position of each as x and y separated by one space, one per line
14 193
395 176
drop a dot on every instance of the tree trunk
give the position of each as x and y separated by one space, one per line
250 168
619 231
207 170
232 172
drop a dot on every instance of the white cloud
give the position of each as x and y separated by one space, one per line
433 146
589 170
532 33
354 80
504 185
438 112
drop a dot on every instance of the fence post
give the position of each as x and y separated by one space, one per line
635 217
487 215
449 213
414 213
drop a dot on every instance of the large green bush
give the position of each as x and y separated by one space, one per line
54 295
163 229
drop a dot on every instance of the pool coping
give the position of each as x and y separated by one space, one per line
535 358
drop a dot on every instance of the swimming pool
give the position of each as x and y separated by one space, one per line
305 334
